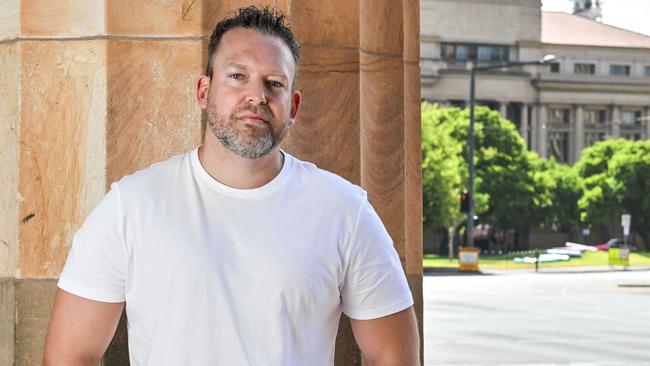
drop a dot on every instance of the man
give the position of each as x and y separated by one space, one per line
235 253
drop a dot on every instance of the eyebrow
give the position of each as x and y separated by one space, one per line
241 66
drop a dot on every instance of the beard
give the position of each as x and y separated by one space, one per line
251 141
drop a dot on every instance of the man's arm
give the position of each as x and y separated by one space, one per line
391 340
80 330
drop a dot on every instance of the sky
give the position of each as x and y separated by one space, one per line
628 14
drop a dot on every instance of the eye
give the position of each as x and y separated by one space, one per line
276 84
237 76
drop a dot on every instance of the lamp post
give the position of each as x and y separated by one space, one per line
470 158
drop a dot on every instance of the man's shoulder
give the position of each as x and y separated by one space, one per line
156 175
326 183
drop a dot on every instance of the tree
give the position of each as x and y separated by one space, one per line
562 186
442 168
598 204
506 185
616 180
442 171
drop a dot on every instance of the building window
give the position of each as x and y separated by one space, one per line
559 115
584 68
474 52
595 116
558 146
630 118
619 70
555 67
592 138
647 71
631 136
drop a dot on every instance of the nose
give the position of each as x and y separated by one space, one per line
256 94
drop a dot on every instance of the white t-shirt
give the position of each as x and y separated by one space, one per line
214 275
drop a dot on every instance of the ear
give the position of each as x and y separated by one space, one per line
296 98
202 89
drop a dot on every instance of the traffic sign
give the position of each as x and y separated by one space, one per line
626 219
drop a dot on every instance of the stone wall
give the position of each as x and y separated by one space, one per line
482 21
91 91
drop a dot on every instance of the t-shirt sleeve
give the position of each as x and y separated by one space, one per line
374 283
96 264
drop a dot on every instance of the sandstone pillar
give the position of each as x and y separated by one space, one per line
616 122
534 124
524 128
647 122
92 91
542 134
503 109
9 198
579 132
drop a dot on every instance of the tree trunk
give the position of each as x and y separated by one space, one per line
451 233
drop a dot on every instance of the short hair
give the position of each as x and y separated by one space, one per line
264 20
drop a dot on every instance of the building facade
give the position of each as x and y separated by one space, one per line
597 88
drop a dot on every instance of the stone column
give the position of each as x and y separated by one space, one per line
503 109
542 134
523 127
413 248
647 122
99 77
10 80
616 121
52 106
389 106
579 133
534 127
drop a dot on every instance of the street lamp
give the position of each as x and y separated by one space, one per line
470 161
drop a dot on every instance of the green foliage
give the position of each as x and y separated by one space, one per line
516 189
442 168
616 180
561 185
598 203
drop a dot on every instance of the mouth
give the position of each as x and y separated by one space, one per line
254 118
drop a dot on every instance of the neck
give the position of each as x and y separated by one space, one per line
237 172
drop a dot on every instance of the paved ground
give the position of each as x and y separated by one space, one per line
578 319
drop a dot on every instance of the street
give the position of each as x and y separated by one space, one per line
530 318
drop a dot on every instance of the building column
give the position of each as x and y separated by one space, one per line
616 122
542 134
578 133
503 109
389 111
523 127
647 122
534 126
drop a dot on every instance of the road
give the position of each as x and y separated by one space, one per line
577 319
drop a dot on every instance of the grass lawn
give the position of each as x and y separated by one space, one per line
505 262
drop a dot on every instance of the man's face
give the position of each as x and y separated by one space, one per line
250 101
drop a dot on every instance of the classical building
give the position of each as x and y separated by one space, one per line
597 88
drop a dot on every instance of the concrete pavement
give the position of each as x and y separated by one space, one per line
548 318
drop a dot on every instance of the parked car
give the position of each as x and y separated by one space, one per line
616 243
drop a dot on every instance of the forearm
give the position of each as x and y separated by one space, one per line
58 359
80 330
389 341
408 357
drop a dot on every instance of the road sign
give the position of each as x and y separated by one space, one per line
468 259
619 257
626 219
